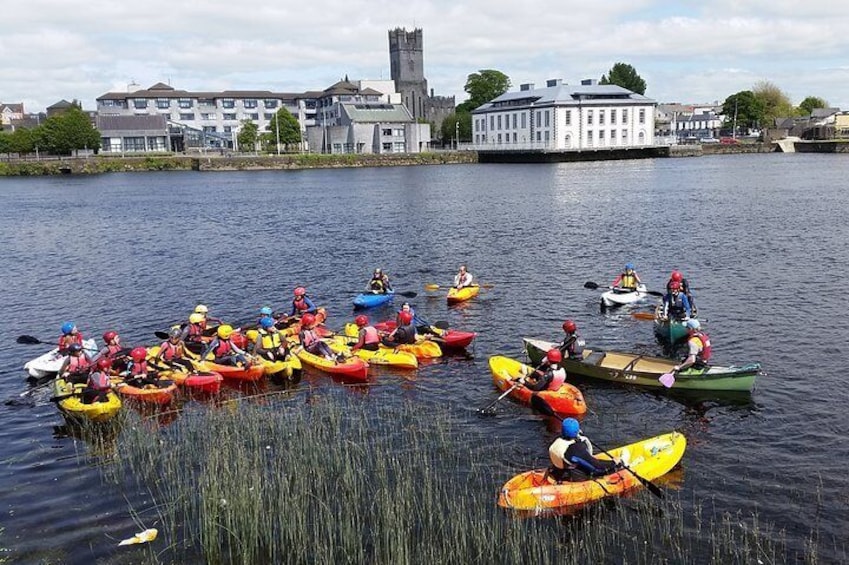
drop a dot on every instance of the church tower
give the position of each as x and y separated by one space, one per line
406 66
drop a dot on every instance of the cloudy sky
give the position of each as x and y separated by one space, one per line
686 51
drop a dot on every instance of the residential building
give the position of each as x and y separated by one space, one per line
9 112
561 117
352 117
128 134
688 122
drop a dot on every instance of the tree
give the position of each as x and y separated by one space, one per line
5 142
744 108
775 103
624 75
449 126
67 132
483 86
811 103
290 129
22 141
248 136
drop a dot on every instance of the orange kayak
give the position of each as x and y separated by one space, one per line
160 393
252 373
565 400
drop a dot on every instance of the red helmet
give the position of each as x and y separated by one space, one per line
569 326
554 356
361 320
138 354
674 285
307 320
104 363
109 336
405 317
676 276
300 291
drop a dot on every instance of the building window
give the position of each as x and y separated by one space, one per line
612 118
187 117
547 119
547 138
228 103
624 116
613 137
387 132
524 120
568 117
589 117
250 103
499 121
228 129
642 138
134 144
140 103
269 104
387 148
337 148
539 136
499 138
229 116
515 135
398 132
156 143
642 116
206 101
114 145
163 103
268 116
209 129
601 138
254 116
477 138
539 118
601 117
185 103
206 116
589 138
514 122
492 122
399 147
624 136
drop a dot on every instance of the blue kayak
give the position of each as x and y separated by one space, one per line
370 300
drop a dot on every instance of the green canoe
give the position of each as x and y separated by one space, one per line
630 368
669 330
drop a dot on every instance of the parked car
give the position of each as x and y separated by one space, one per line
729 140
706 140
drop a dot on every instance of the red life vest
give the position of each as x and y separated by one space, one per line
78 364
169 351
112 349
704 355
138 369
300 304
558 378
195 331
370 335
66 341
308 337
98 381
222 348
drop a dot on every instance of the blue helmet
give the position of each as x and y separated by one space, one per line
629 266
266 322
570 428
265 311
68 327
693 324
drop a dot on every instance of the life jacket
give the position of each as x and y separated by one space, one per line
628 280
222 348
676 303
138 369
370 335
558 377
704 355
557 451
377 284
574 347
301 304
169 350
308 337
112 349
78 364
195 332
98 381
270 340
405 334
66 341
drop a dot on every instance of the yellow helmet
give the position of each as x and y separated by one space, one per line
225 331
201 309
252 335
196 318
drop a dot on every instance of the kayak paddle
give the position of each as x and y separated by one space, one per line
539 404
667 379
643 315
433 286
29 340
488 408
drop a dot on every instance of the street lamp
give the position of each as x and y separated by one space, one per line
457 133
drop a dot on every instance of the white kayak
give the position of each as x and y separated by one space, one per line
618 296
48 365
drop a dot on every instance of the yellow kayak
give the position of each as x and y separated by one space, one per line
281 369
461 295
383 356
70 402
422 349
650 458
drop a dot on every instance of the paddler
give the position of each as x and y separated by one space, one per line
224 351
698 344
627 279
368 336
312 341
379 283
70 334
302 304
139 374
572 346
675 304
463 278
404 332
678 276
203 310
193 332
269 343
572 457
98 383
111 346
173 350
549 375
76 366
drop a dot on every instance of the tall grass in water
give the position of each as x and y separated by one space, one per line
339 481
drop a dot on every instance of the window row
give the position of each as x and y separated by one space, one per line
542 119
186 103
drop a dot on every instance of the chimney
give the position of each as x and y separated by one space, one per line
526 86
589 82
553 82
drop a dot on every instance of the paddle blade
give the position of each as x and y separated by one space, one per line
643 315
28 339
591 284
667 379
441 325
431 286
487 285
408 294
161 335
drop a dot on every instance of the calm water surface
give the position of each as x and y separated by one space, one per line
763 239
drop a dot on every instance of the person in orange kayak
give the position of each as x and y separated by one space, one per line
628 278
572 457
111 346
698 345
77 364
173 350
70 334
138 374
549 375
193 332
312 341
379 283
269 343
98 383
572 345
368 337
224 351
463 278
404 332
302 304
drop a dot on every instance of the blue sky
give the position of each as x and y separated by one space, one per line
688 52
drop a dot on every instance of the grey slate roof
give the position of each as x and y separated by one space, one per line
169 92
565 95
154 122
824 112
377 113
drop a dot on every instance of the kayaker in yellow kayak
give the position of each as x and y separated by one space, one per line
698 344
572 457
368 337
269 343
379 283
463 278
628 278
98 384
173 350
549 376
312 341
404 332
76 366
203 310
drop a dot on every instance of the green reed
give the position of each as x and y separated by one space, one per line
344 480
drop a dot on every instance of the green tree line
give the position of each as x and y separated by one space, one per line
61 134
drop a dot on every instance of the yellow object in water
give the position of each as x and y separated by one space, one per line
141 537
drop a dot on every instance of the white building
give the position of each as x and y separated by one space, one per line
561 117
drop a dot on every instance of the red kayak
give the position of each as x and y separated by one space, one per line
252 373
448 339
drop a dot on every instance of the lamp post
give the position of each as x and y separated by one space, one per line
457 133
277 129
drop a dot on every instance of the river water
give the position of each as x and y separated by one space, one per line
762 238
